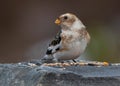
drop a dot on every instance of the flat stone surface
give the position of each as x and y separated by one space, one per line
37 74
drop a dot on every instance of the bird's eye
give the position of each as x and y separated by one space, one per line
65 17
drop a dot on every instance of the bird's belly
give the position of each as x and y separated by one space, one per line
75 49
77 46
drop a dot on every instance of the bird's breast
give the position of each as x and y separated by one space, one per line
73 41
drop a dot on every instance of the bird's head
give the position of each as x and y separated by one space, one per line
69 21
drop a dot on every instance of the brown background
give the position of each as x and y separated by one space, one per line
26 25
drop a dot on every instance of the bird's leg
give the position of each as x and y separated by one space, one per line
74 60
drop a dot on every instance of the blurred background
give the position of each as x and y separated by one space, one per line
26 27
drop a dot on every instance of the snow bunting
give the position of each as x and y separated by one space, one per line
71 41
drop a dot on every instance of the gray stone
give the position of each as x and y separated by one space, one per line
30 74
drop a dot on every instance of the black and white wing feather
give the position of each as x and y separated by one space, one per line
54 46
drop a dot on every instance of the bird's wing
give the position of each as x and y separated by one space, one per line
54 46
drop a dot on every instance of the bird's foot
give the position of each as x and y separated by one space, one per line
74 60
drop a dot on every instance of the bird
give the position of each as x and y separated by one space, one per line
70 42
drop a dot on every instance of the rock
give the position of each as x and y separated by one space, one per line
37 74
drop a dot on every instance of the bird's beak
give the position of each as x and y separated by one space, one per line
57 21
